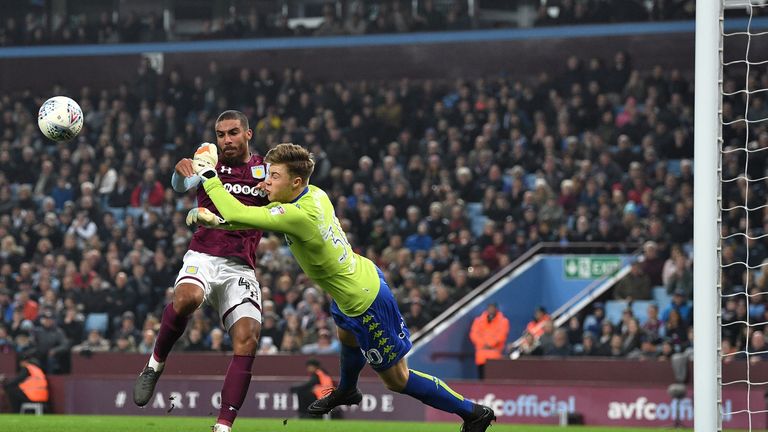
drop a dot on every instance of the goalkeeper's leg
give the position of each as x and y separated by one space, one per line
435 393
187 297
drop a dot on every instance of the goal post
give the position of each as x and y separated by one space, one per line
706 215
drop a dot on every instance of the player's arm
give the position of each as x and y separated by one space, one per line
184 177
283 218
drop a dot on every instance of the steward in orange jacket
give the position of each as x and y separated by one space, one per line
489 335
30 385
318 385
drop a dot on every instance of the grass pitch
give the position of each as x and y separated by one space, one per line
79 423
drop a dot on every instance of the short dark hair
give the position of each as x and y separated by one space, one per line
234 115
295 157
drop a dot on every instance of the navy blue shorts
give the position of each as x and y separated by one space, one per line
380 330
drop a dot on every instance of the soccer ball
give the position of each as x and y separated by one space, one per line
60 118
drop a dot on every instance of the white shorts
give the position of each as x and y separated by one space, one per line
229 286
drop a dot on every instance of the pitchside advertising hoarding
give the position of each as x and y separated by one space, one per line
541 404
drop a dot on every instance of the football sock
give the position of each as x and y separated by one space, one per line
171 328
435 393
235 388
352 362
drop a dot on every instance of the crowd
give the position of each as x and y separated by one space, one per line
35 27
440 183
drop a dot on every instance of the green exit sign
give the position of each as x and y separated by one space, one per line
590 267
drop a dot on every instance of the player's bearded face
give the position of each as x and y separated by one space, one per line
232 139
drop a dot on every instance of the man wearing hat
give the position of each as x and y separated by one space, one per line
52 343
680 304
318 385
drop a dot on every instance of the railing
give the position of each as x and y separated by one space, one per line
540 248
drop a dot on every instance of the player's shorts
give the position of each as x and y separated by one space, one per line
380 330
229 286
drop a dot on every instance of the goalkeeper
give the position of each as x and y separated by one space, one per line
370 326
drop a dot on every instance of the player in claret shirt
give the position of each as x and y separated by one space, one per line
369 323
218 269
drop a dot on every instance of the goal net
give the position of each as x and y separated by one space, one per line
741 343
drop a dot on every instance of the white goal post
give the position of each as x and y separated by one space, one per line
706 214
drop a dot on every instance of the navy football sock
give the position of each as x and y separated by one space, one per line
352 362
435 393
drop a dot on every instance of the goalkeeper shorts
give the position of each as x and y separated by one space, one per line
380 330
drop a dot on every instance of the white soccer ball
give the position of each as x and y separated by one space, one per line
60 118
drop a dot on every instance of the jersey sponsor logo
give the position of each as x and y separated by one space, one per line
258 171
226 169
191 269
239 189
277 210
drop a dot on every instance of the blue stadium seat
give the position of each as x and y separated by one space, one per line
478 222
508 180
673 166
661 297
640 310
97 321
474 210
614 309
530 181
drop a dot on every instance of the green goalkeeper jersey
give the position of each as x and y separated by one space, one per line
315 237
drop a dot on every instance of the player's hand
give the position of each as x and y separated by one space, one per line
203 216
205 159
184 168
260 188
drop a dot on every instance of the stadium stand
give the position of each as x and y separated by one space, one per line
91 229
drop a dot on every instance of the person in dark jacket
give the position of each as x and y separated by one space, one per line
317 386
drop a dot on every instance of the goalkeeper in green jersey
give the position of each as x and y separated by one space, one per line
369 323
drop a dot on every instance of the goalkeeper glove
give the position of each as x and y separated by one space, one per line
204 217
205 160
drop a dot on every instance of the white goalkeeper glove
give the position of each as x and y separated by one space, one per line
203 216
205 160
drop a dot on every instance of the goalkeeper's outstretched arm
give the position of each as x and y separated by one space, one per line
277 217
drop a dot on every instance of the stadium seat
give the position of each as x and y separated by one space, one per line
97 321
640 310
477 225
35 407
530 181
508 180
614 309
661 297
474 210
673 166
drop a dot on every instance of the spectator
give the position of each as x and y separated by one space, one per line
560 347
316 387
149 192
147 342
634 286
52 343
536 326
489 336
324 345
30 385
679 304
94 343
